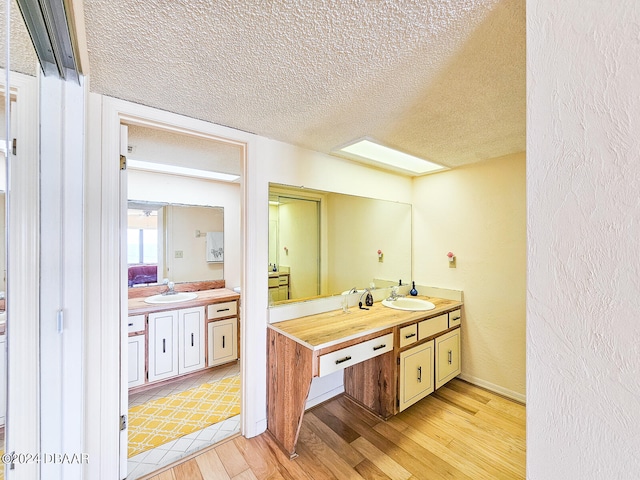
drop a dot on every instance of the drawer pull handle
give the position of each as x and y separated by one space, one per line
410 335
222 310
222 341
164 345
192 339
450 357
456 319
379 347
345 359
131 324
420 374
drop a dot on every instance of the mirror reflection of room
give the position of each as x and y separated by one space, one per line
325 243
180 243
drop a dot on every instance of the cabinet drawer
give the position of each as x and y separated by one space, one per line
454 318
274 281
433 326
219 310
284 280
408 335
135 323
345 357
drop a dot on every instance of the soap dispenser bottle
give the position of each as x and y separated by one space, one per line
413 292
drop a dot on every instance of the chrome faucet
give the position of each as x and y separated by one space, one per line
170 290
394 294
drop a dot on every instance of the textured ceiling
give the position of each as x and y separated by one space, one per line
22 57
441 79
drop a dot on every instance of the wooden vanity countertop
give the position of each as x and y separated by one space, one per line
330 328
137 306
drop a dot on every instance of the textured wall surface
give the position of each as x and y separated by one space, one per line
442 79
479 213
583 181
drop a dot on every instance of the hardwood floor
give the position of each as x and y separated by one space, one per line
459 432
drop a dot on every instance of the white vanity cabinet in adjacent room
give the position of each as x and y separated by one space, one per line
416 374
136 360
136 350
222 333
176 342
190 339
223 338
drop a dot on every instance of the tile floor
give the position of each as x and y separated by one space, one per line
151 460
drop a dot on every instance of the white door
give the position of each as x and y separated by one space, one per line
191 332
163 345
299 245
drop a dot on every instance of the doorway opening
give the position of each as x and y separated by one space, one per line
181 234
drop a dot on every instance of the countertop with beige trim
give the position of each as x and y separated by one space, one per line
326 329
137 306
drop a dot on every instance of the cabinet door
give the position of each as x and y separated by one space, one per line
136 360
447 357
283 293
223 340
163 345
191 339
416 374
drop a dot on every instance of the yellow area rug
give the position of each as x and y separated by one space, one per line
159 421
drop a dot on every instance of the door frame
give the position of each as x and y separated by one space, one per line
103 299
22 422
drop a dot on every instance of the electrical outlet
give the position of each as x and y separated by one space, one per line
178 253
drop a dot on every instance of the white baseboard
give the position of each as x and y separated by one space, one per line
312 402
518 397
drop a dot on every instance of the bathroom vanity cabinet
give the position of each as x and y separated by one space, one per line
176 342
167 341
222 330
390 358
279 286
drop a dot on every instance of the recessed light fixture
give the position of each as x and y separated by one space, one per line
373 153
184 171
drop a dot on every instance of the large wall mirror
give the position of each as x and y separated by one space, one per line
180 243
323 243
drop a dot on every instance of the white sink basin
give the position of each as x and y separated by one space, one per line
405 303
175 298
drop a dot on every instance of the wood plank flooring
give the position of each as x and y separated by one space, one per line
459 432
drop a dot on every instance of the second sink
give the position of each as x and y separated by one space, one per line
413 304
173 298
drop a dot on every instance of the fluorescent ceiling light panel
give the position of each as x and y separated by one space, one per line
370 151
184 171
